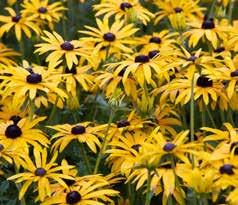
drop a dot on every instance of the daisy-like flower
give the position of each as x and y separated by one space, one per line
188 8
208 28
22 133
123 151
41 172
89 192
84 132
129 10
159 146
204 87
117 36
142 67
7 55
77 75
19 23
28 81
43 12
59 48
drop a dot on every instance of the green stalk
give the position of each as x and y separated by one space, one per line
53 111
192 114
231 6
85 158
212 8
148 194
100 154
23 201
210 117
32 108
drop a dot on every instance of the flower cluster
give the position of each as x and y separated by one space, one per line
118 102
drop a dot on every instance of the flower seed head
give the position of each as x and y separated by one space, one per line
67 46
40 172
15 119
125 5
227 169
153 53
16 18
168 147
42 10
34 78
73 197
155 39
13 131
142 59
123 123
110 37
204 82
78 129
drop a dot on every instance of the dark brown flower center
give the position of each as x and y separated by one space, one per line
168 147
227 169
73 197
204 82
67 46
208 23
16 18
155 39
153 53
34 78
110 37
136 147
40 172
42 10
123 123
15 119
125 5
234 73
219 50
142 59
192 58
78 129
13 131
178 10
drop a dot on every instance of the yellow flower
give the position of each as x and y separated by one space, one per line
188 8
27 82
208 28
59 48
83 132
41 172
120 9
19 23
21 133
7 55
43 12
115 38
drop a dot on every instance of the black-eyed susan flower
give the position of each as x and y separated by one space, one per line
127 10
88 193
60 50
19 23
208 28
84 132
40 172
22 133
28 81
7 55
44 12
115 38
189 9
123 151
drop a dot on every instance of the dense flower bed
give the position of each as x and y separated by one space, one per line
117 102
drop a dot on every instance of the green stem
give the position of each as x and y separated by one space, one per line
192 114
85 158
19 186
148 193
231 6
230 117
21 48
53 111
32 108
210 117
100 154
212 8
203 116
